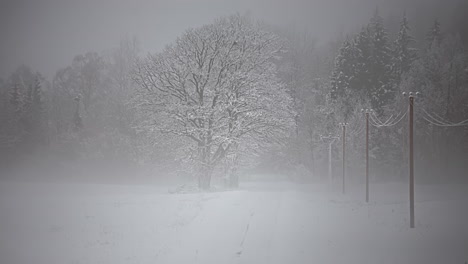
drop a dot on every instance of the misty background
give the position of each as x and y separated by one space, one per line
79 60
222 131
47 34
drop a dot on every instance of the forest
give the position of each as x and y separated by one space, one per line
239 96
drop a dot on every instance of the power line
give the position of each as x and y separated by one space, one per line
438 120
378 123
441 123
357 130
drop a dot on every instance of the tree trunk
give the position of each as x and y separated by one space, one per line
312 154
234 179
204 178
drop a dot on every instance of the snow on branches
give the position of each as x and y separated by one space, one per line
216 86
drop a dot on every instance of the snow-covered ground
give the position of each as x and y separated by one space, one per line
259 223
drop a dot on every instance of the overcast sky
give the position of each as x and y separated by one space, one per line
47 34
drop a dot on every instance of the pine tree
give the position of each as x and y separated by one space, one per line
35 113
16 101
363 52
15 113
403 53
344 70
434 36
381 92
4 104
344 78
26 118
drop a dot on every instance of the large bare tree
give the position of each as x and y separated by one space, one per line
217 88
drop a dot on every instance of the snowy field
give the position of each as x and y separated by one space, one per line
259 223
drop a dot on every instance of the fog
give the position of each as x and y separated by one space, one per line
206 131
47 34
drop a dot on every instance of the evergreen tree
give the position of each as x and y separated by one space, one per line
344 70
363 52
26 118
434 36
15 113
381 92
37 104
4 103
403 53
16 101
343 78
34 113
439 73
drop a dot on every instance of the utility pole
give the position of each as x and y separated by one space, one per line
344 154
411 158
330 140
367 155
367 112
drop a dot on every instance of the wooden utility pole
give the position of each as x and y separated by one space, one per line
411 160
367 156
329 139
344 155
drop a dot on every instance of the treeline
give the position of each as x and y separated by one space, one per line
88 111
83 114
370 70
